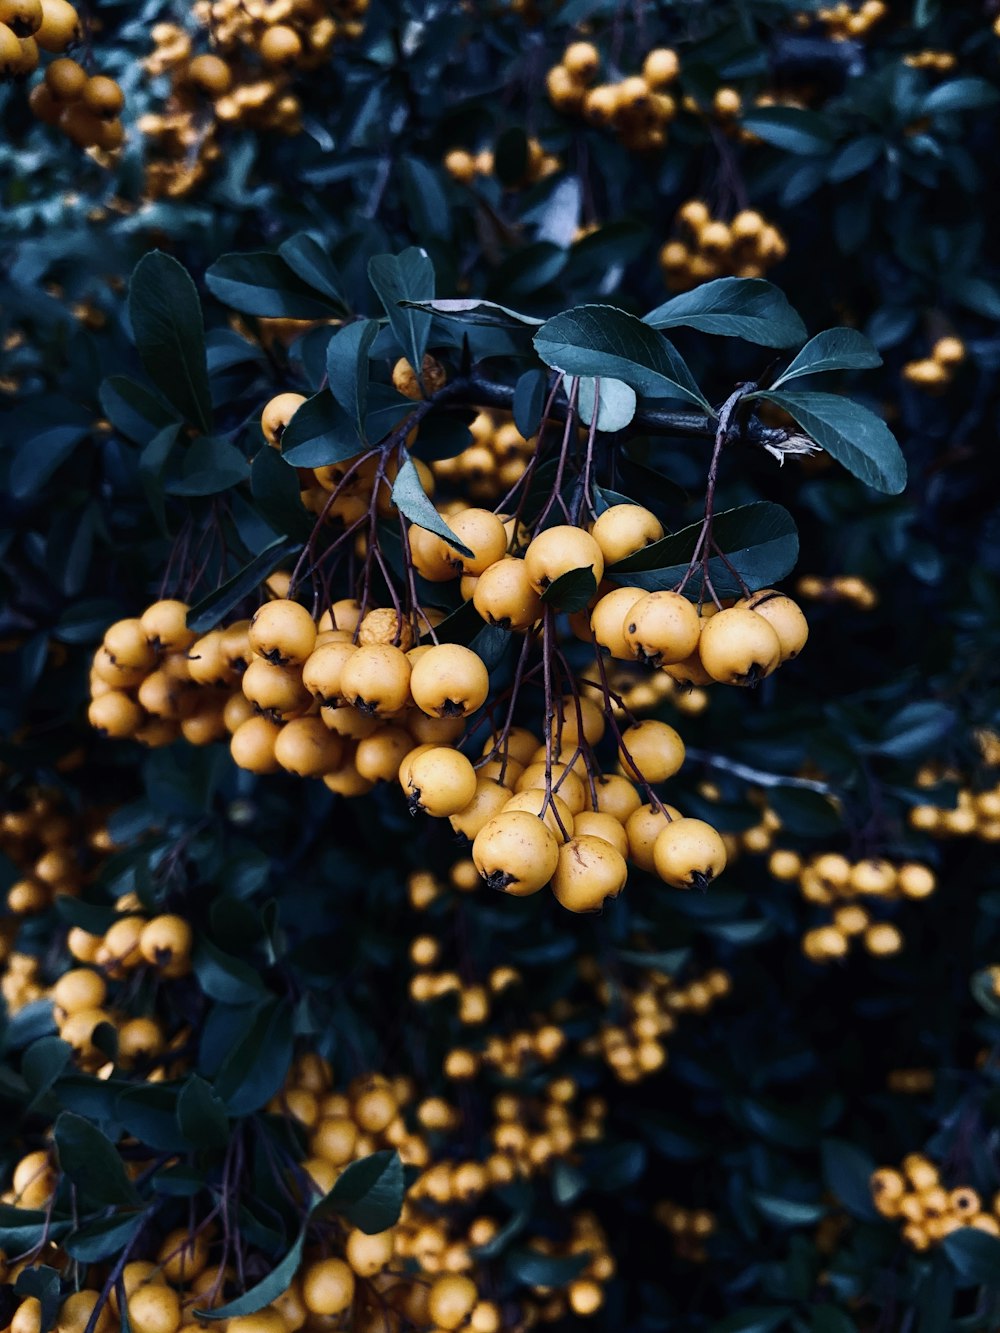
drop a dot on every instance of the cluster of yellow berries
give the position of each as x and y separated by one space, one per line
633 1047
54 849
86 107
464 166
975 814
745 247
838 588
831 880
842 21
689 1229
938 62
936 371
916 1197
494 462
637 108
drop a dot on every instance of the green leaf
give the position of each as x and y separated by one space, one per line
347 369
760 542
602 341
275 488
149 1111
278 1280
369 1192
210 466
410 498
974 1255
217 605
255 1069
309 261
747 308
201 1115
169 335
850 433
23 1228
406 277
92 1162
41 1065
967 94
225 978
615 403
530 393
836 349
264 285
152 465
847 1171
47 430
319 433
571 591
534 1269
100 1239
471 310
132 409
788 1212
42 1283
795 130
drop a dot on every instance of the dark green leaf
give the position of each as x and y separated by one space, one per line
170 336
831 1319
530 393
320 433
791 128
915 729
600 340
850 433
132 409
836 349
369 1192
788 1212
347 369
966 94
406 277
309 261
760 542
201 1115
42 1283
152 465
755 1319
747 308
225 978
47 431
23 1228
571 591
410 498
42 1063
217 605
263 284
91 1162
847 1170
278 1280
974 1255
255 1069
472 310
275 486
102 1238
534 1269
210 466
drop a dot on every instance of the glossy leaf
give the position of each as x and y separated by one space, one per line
264 285
600 340
170 335
347 369
747 308
368 1193
616 403
836 349
850 433
406 277
410 498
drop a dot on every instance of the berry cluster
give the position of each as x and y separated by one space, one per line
937 371
938 62
843 22
707 247
53 849
86 107
690 1229
839 588
491 465
831 880
464 166
244 78
637 108
916 1197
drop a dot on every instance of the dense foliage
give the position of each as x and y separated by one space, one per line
702 297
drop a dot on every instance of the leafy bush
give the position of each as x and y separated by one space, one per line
355 282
